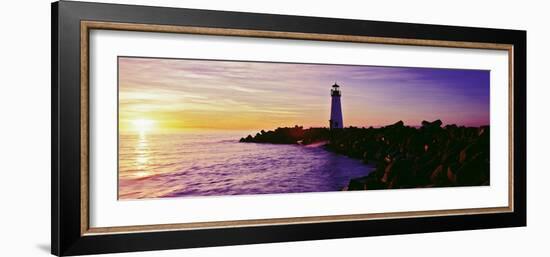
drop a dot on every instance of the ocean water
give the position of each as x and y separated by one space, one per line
215 163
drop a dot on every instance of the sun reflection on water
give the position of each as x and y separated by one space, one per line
142 156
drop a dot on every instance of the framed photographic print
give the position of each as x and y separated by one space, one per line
177 128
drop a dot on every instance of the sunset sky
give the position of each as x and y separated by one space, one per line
180 94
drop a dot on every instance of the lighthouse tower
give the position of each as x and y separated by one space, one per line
336 120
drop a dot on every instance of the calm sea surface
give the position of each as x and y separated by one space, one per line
215 163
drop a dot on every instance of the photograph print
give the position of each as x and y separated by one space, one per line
191 127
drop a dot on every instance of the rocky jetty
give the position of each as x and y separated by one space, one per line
404 156
289 135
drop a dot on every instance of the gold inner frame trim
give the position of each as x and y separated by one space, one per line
86 26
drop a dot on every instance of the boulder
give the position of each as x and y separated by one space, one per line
431 125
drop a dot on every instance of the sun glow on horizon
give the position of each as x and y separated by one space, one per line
143 126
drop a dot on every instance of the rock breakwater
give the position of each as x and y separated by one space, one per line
404 156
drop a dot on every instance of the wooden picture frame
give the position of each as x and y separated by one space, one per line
71 25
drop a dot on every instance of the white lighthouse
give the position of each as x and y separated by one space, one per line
336 120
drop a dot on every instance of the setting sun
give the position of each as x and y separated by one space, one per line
143 125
